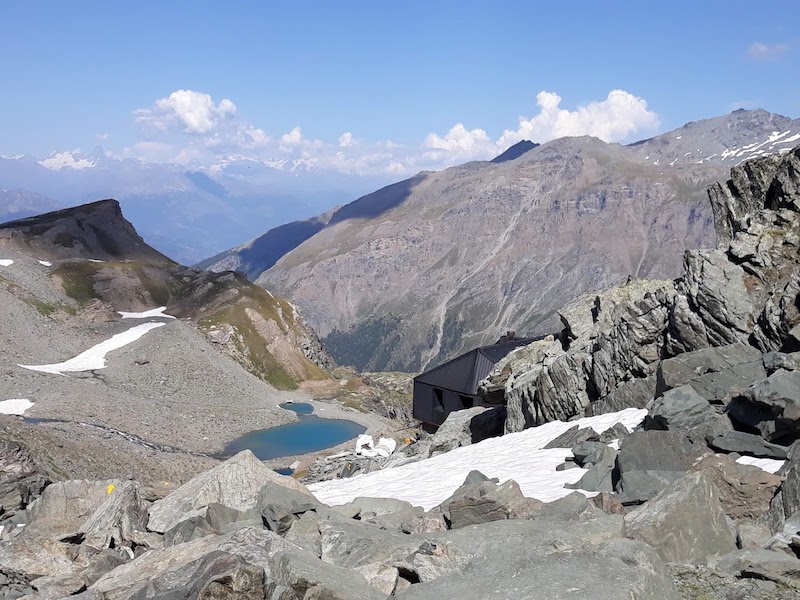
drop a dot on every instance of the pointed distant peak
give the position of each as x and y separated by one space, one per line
515 151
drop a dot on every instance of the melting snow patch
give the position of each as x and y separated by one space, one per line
95 357
94 260
6 262
148 314
15 406
518 456
45 263
770 465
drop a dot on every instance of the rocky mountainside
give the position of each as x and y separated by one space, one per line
443 262
103 265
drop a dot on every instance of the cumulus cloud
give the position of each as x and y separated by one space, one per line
188 110
615 119
759 51
190 127
460 143
346 140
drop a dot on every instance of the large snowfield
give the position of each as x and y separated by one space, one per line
518 456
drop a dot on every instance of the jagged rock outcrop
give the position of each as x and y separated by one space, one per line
743 296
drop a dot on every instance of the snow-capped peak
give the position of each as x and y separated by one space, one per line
69 160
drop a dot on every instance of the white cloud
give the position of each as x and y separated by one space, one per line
188 110
346 140
189 127
615 119
102 137
459 144
759 51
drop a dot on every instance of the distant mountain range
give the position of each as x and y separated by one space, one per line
443 262
187 213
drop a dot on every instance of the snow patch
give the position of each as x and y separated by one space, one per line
95 357
15 406
518 456
94 260
148 314
61 160
45 263
6 262
770 465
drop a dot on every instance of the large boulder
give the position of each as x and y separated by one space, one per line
241 561
99 514
542 560
650 460
486 501
680 408
786 503
20 480
772 406
685 522
762 564
712 372
746 443
469 426
236 483
313 579
745 491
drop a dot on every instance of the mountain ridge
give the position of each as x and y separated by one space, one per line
569 216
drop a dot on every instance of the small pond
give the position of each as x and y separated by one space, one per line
309 434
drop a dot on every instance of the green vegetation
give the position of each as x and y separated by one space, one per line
77 279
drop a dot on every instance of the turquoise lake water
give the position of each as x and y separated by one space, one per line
309 434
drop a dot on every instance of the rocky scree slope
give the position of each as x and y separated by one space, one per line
421 270
104 266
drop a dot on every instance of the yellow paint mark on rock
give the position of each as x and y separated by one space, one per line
110 489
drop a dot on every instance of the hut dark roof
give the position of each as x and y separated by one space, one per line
463 373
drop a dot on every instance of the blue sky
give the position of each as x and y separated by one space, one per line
398 77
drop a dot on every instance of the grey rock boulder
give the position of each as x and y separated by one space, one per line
20 480
779 360
650 460
747 443
236 483
680 408
786 503
469 426
351 544
198 567
712 372
487 501
745 491
572 437
310 578
685 522
761 564
600 476
543 560
772 406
